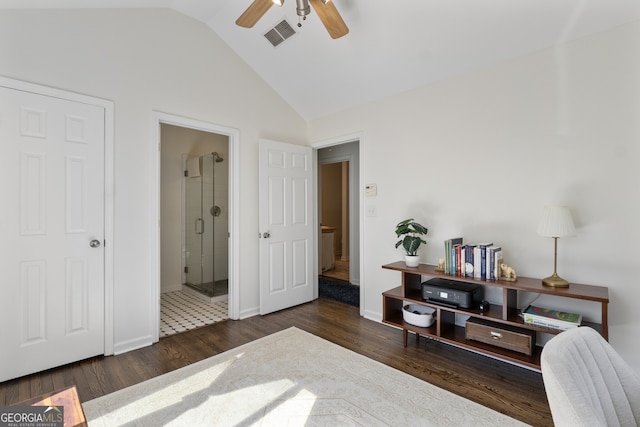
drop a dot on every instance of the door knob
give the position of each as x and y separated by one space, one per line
266 235
94 243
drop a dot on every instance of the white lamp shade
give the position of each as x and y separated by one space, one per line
556 222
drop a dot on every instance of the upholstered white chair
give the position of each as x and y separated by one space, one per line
587 382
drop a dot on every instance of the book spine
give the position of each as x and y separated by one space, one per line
447 244
483 262
491 262
476 262
548 320
458 260
454 260
469 259
450 245
548 323
496 263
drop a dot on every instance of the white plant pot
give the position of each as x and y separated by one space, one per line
412 261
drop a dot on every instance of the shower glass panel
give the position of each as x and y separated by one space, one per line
206 236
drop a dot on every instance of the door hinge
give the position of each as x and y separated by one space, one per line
186 173
186 269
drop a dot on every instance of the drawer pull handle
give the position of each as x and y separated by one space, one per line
496 335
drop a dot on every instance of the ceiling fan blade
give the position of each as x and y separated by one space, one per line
330 17
253 13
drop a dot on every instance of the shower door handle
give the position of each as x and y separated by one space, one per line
199 226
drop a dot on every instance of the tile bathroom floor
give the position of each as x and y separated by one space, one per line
181 312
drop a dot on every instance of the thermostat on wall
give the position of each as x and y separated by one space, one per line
371 190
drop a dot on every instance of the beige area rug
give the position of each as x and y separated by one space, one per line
290 378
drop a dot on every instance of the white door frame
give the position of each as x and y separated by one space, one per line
108 188
329 143
234 208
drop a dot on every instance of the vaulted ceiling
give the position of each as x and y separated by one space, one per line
392 45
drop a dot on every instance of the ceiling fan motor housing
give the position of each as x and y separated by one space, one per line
302 7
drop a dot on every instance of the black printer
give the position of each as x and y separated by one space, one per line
452 293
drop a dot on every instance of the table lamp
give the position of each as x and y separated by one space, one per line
556 222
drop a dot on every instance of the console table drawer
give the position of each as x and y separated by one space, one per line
504 336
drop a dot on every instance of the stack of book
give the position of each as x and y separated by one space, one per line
551 318
479 261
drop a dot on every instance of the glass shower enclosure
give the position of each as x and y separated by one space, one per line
206 227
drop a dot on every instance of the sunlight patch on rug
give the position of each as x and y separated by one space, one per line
289 378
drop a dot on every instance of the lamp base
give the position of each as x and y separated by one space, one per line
555 281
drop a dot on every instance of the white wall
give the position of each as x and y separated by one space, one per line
146 60
480 155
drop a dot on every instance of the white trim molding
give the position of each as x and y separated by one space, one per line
234 209
345 139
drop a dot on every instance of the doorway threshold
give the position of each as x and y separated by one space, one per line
203 297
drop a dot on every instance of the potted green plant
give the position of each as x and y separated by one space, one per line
412 232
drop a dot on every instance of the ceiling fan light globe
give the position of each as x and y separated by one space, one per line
278 2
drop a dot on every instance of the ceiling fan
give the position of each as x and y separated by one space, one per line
325 9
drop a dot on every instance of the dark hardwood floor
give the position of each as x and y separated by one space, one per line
511 390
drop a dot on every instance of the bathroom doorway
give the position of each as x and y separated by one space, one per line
194 228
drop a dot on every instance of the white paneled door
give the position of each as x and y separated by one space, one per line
52 231
286 229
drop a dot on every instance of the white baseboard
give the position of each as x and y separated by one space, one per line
372 315
171 288
133 344
249 312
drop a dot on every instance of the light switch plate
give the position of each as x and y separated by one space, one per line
371 190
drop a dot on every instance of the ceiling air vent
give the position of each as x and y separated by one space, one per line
279 33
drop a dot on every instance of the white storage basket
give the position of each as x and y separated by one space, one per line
418 315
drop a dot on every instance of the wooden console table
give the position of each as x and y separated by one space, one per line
507 313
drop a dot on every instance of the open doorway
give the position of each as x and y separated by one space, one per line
194 228
334 219
179 239
339 220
